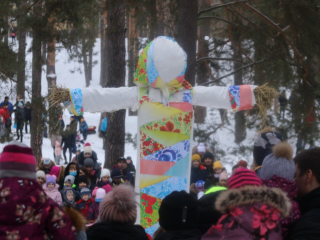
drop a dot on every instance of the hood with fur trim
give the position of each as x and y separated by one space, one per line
249 195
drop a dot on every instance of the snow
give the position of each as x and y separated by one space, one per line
70 74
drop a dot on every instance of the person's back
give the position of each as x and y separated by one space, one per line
307 178
25 210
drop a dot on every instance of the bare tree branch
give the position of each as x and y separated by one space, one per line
244 29
218 58
229 74
276 26
219 6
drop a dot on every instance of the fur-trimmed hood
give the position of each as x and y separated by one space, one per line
249 195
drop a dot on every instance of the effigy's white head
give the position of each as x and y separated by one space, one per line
162 64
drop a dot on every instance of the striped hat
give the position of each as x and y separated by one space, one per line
17 160
243 177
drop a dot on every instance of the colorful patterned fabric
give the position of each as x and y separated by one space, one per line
76 100
240 97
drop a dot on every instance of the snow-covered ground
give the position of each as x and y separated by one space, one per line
68 76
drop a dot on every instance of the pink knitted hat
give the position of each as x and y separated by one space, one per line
119 205
242 177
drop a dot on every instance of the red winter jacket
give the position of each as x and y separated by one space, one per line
291 189
27 213
83 206
4 112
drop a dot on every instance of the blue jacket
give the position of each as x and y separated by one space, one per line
104 125
10 107
84 126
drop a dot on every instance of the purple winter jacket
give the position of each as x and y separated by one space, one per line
27 213
251 212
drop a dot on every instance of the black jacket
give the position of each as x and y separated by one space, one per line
66 173
19 117
208 214
81 158
198 174
131 167
116 231
127 176
27 113
68 139
185 235
308 226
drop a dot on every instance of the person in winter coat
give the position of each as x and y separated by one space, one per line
201 150
41 177
67 143
88 153
198 171
73 129
55 133
250 211
7 103
283 103
117 215
94 175
127 176
2 130
46 165
307 178
208 164
179 217
19 119
116 177
73 170
4 112
84 129
75 158
25 210
93 210
55 170
217 168
131 167
85 202
263 146
51 189
57 152
68 197
277 171
105 179
78 222
27 115
209 215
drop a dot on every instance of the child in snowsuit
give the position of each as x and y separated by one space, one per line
217 168
93 210
85 202
84 129
57 152
51 189
69 196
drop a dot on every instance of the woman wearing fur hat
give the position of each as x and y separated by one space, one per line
250 210
277 171
117 215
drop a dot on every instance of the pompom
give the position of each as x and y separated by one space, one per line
119 205
283 149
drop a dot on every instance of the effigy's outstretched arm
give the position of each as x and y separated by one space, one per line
109 99
235 98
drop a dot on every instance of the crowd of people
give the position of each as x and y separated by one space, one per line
277 198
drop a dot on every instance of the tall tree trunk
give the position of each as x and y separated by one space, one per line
6 30
44 53
51 64
187 22
21 74
85 61
36 128
240 121
115 51
202 71
133 49
103 64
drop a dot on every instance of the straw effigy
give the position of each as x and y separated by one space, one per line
58 95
